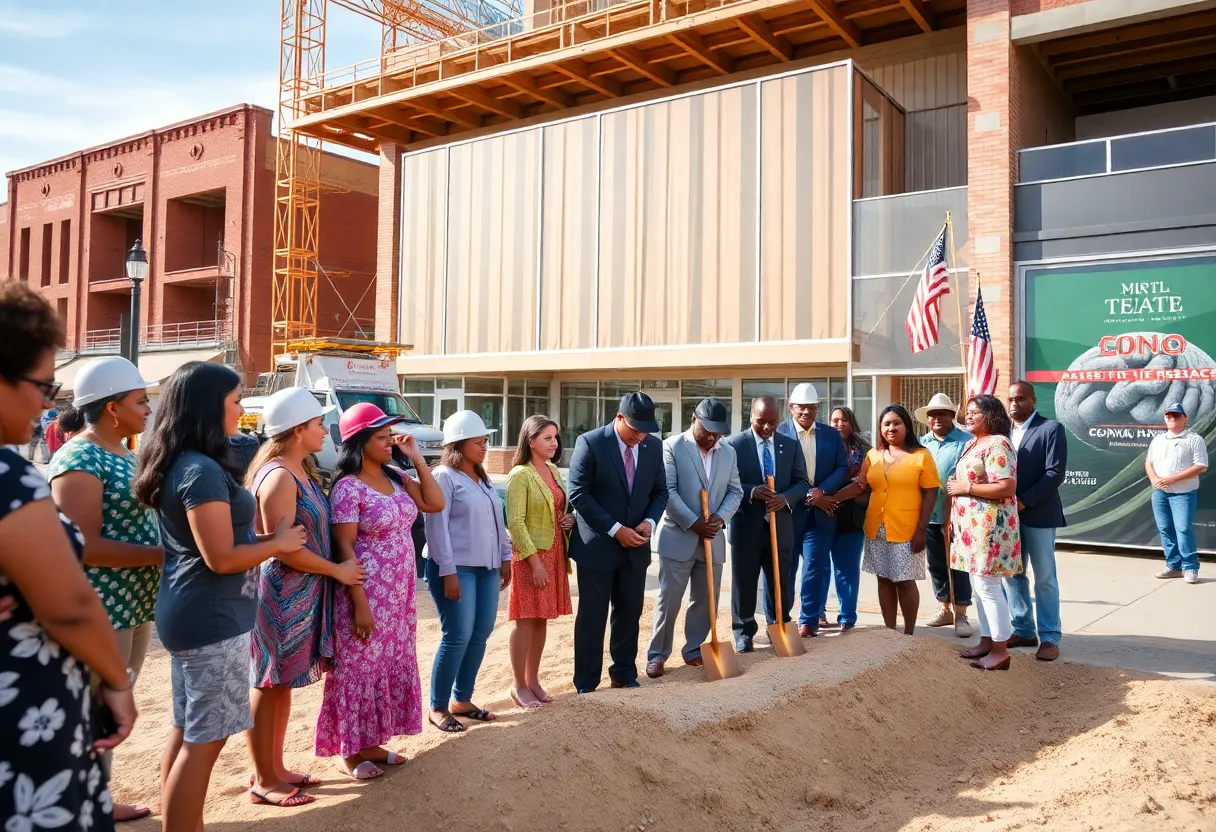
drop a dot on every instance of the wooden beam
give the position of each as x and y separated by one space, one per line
922 14
694 45
760 32
423 124
631 57
1160 55
1126 35
481 98
838 23
528 84
452 115
1133 75
579 71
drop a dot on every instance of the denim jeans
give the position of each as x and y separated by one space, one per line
1175 516
818 540
846 563
1039 556
466 624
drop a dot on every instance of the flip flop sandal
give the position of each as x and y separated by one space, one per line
308 781
366 770
477 715
448 726
141 812
391 758
530 706
293 799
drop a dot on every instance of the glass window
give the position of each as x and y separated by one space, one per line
424 406
863 405
754 388
489 408
417 385
534 405
1174 147
538 388
660 384
448 383
515 419
616 389
578 389
515 387
390 403
1061 162
487 386
578 415
693 391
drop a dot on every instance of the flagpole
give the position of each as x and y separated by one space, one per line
958 304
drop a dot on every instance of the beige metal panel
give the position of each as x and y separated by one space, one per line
492 228
805 206
677 221
568 241
923 82
424 211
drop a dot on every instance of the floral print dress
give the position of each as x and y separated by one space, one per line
50 777
987 536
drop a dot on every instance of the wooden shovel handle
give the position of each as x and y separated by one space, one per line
709 572
772 539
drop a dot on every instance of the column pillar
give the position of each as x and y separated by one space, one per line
388 242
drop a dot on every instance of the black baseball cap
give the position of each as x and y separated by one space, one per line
638 410
712 415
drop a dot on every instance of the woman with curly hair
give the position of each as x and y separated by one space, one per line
984 527
54 627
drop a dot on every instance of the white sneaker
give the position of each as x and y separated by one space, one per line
943 618
962 627
1169 573
1192 576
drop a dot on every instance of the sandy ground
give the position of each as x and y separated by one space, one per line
868 731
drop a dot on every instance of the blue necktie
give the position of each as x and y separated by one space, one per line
768 460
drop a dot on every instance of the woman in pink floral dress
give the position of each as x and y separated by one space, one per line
985 533
373 693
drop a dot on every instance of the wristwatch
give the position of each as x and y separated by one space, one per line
130 682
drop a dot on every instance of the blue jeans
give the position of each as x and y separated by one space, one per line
846 565
817 541
466 624
1039 555
1175 516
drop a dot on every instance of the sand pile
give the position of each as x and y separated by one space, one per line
868 731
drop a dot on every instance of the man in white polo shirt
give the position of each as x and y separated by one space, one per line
1174 462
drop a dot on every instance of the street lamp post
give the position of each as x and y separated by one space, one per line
137 270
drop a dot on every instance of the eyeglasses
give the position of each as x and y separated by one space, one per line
50 389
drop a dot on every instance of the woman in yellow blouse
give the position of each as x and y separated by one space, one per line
903 482
537 521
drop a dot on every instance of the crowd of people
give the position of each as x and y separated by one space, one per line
258 580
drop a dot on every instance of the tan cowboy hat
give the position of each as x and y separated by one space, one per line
940 401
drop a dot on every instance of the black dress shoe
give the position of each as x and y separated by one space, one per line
633 684
743 644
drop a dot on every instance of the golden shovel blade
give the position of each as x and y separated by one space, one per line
785 639
719 660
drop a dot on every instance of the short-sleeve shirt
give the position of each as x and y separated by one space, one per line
197 607
987 537
945 456
1172 454
895 493
129 594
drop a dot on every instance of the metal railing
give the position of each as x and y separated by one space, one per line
564 26
1192 144
181 334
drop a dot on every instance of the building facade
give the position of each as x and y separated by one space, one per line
200 196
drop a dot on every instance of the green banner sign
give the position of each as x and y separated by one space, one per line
1108 347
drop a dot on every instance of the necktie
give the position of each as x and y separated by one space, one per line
629 467
769 470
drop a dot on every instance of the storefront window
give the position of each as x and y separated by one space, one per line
754 388
863 405
489 408
524 399
485 386
692 391
420 393
448 383
578 405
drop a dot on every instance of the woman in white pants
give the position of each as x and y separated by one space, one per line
985 531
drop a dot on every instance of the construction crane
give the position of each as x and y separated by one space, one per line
298 157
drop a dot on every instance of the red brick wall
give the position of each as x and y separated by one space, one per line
499 461
388 245
1032 6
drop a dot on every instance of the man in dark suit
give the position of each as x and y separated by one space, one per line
827 467
618 490
1042 447
761 451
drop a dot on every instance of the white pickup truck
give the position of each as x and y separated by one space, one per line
343 373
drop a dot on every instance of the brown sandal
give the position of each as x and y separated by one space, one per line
296 798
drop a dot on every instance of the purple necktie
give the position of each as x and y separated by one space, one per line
629 467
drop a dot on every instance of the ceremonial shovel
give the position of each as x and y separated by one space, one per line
783 635
718 657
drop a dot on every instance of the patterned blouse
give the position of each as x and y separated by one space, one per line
987 533
129 595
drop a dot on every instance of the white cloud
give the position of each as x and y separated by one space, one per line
41 24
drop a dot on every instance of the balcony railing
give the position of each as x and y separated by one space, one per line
174 335
1119 154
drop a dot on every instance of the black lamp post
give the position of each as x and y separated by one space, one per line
137 270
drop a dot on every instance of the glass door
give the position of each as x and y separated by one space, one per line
666 411
447 402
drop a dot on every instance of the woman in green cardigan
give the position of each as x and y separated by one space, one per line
538 523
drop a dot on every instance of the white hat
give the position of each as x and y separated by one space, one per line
107 377
804 394
291 407
940 401
463 424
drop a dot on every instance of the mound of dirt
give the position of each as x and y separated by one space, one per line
867 731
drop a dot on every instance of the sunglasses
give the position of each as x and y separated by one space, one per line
50 389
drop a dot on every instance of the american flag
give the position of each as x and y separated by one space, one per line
981 372
921 324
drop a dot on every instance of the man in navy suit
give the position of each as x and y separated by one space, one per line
761 451
827 465
1042 447
618 489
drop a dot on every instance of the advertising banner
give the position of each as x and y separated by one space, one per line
1107 347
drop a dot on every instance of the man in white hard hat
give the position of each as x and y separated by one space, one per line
827 467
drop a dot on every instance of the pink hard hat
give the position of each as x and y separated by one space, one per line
363 416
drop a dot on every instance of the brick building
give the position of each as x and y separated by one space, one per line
200 195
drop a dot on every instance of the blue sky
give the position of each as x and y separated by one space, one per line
75 74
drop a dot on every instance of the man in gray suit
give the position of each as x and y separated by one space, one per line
695 460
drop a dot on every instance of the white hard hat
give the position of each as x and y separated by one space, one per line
106 377
291 407
804 394
463 424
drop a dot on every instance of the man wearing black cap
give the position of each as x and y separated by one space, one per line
618 491
694 461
